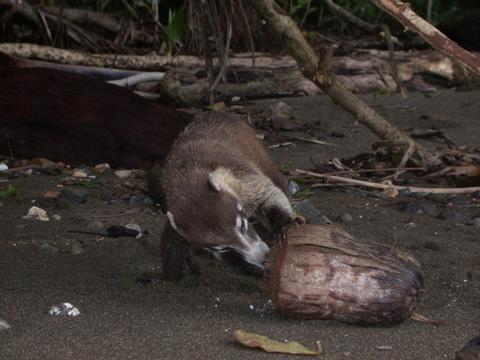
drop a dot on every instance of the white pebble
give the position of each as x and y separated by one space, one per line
64 309
80 174
123 174
101 168
37 213
4 325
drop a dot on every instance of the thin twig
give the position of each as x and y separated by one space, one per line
377 170
107 216
392 59
421 318
412 189
20 168
280 145
314 141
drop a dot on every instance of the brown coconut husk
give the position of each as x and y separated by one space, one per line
322 272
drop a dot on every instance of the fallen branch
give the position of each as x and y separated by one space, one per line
133 80
131 62
412 189
408 18
314 69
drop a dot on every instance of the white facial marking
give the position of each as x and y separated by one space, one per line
213 183
239 207
171 218
244 227
252 249
238 222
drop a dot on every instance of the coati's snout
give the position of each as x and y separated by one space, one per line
247 243
217 220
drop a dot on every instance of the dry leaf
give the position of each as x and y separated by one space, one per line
268 345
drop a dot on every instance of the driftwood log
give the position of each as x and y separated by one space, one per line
78 120
322 272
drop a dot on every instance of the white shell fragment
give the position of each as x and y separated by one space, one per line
80 174
293 187
37 213
123 174
4 325
137 228
64 309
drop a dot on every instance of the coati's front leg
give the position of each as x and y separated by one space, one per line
278 212
175 253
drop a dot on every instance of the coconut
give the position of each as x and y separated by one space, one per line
322 272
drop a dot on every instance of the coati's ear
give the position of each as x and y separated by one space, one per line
213 182
171 218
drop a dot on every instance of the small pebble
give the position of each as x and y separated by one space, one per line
4 325
384 347
51 194
421 195
453 215
64 309
74 195
293 187
57 217
80 174
123 174
346 218
96 224
3 167
76 248
101 168
475 222
37 213
136 228
48 247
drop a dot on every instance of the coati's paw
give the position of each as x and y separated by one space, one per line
278 219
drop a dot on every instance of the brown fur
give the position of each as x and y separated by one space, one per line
226 146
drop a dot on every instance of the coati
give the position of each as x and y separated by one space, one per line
216 178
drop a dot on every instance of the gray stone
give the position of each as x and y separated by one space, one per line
475 222
308 210
76 248
4 325
453 215
346 218
74 195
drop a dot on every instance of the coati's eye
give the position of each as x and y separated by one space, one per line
241 224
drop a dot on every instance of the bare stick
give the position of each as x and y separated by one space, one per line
313 69
133 80
362 171
413 189
107 216
314 141
408 18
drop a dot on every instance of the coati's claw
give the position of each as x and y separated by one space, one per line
299 220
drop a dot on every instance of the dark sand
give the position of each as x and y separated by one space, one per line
123 319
